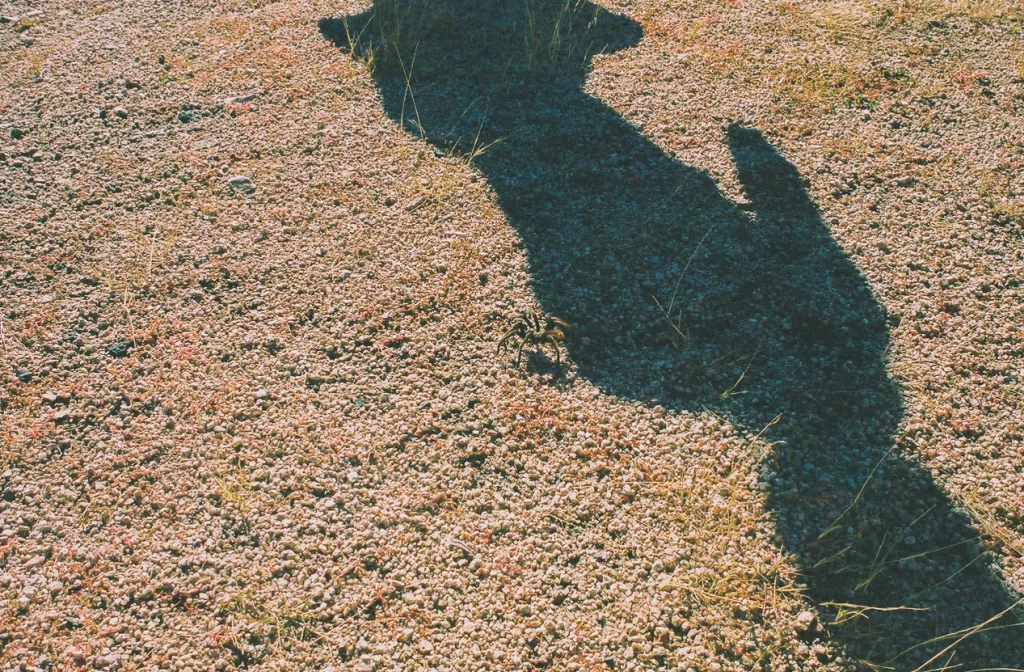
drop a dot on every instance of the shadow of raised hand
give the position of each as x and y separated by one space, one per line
687 301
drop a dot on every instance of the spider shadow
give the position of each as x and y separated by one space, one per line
686 300
540 363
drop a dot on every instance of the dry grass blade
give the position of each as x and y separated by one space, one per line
835 523
731 392
3 339
961 635
407 74
666 313
128 313
989 526
848 611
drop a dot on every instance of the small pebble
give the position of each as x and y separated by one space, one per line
242 184
119 348
805 621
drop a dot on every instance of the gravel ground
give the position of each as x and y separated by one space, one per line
254 271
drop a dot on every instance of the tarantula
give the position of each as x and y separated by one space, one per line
536 330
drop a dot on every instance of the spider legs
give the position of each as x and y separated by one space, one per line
504 340
558 351
519 352
517 328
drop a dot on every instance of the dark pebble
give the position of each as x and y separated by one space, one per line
119 349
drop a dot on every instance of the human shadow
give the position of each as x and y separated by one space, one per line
684 299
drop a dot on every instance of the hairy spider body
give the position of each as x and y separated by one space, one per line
531 328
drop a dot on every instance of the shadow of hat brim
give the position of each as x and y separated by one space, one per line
597 30
350 33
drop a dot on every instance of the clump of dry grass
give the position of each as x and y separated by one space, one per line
714 503
856 18
853 75
391 36
547 33
816 84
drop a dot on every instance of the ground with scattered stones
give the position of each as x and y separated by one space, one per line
253 276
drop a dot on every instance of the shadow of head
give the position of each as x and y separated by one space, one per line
485 43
